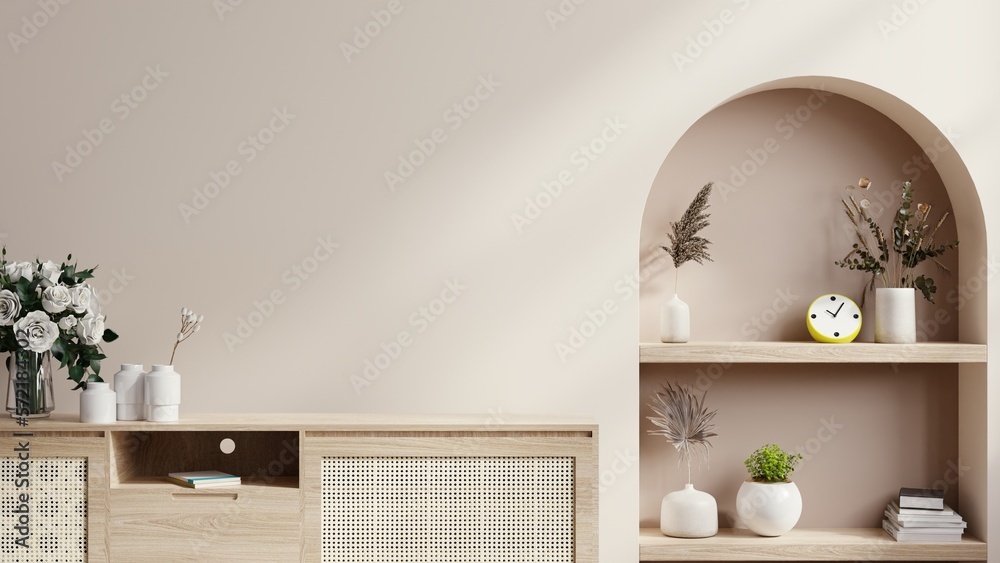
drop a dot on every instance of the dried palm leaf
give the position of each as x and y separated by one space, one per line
683 420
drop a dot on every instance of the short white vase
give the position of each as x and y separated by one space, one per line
895 315
163 394
675 321
130 391
97 404
769 509
689 513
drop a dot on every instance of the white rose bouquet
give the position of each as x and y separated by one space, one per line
46 306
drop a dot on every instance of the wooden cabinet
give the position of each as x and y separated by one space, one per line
320 488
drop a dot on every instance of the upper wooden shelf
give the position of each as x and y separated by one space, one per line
811 353
818 544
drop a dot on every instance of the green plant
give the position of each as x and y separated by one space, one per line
685 244
683 420
771 464
912 243
46 306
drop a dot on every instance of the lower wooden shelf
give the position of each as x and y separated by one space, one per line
816 544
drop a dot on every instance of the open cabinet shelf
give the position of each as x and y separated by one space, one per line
811 353
816 544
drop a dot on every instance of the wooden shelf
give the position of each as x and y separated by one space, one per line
811 353
818 544
250 483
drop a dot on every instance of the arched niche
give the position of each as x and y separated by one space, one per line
796 142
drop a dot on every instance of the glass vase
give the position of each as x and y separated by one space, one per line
29 391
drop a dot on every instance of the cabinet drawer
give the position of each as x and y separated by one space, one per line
165 522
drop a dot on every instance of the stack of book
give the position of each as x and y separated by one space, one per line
204 479
920 515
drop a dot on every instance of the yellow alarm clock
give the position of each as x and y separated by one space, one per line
833 318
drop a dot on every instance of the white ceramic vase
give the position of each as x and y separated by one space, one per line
163 394
130 391
895 315
97 404
675 321
689 513
769 509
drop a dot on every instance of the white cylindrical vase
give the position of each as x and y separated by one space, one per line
97 404
895 315
675 321
163 394
689 513
130 390
769 509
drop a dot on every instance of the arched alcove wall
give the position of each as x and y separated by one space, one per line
780 154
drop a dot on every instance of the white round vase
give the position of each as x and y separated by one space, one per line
769 509
895 315
675 321
97 404
163 394
130 390
689 513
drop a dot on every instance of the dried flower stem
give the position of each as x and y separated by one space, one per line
190 324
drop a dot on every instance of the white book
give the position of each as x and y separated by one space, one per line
924 524
931 536
917 520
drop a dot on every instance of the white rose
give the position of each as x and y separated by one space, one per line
90 329
80 296
49 271
10 307
56 299
94 307
67 322
18 270
36 332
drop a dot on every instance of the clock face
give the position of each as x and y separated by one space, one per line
833 318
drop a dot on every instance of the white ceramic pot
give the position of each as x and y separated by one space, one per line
675 321
97 404
163 394
689 513
769 509
895 315
130 391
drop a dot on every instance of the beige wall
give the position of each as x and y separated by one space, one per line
556 83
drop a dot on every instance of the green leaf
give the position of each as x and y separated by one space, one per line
109 335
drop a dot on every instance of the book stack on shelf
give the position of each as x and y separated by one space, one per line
920 515
204 479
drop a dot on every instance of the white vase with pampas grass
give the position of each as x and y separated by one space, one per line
685 245
687 425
